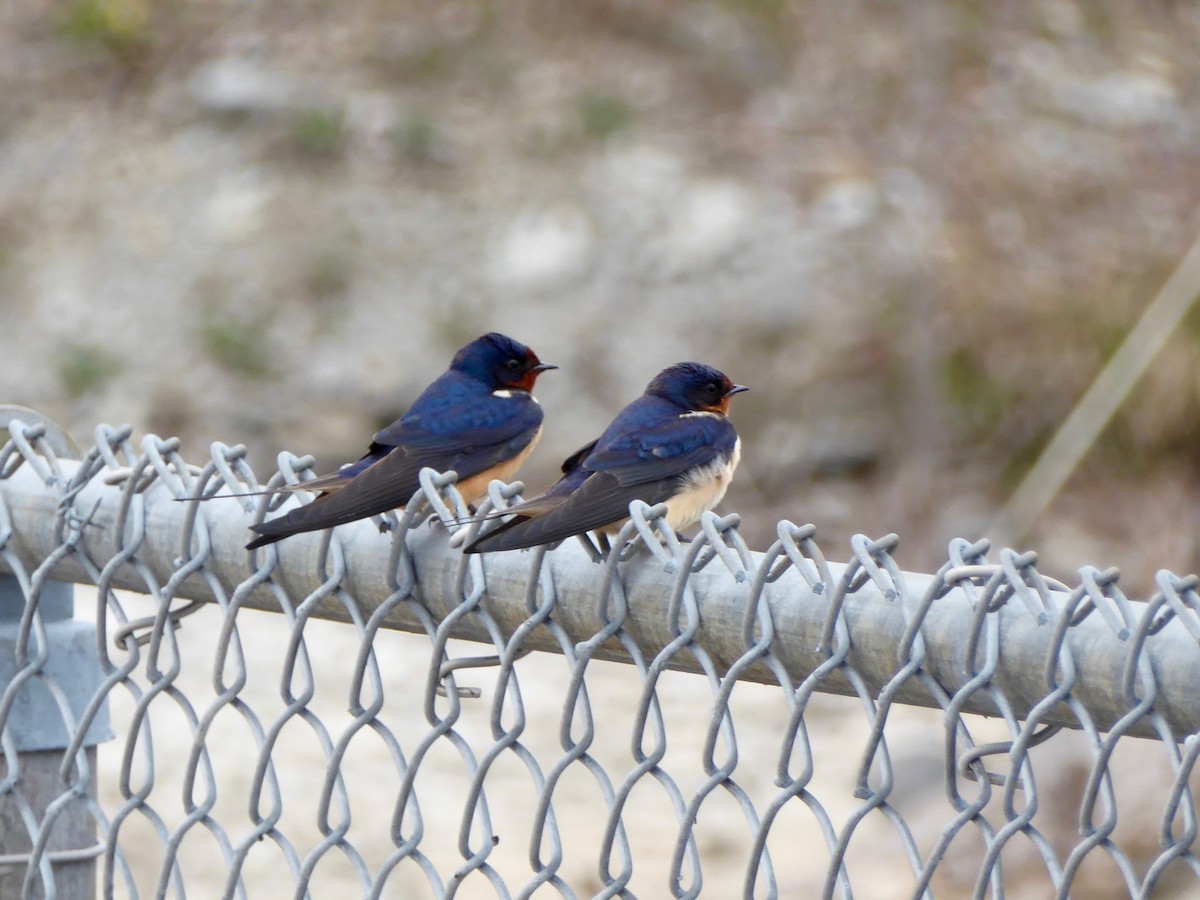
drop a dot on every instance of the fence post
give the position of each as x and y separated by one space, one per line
34 736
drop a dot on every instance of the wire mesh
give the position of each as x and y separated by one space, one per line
319 718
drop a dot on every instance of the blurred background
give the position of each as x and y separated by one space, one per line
916 231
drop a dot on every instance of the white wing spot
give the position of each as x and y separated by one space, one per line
505 394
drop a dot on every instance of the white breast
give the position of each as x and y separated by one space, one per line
703 490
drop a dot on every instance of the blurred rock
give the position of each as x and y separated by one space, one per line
732 50
708 222
235 209
1123 99
846 204
237 85
542 251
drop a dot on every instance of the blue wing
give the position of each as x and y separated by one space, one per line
574 475
637 455
446 431
628 463
599 501
457 411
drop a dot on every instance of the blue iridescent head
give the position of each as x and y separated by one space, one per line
500 362
695 387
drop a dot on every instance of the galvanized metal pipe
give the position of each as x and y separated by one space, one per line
876 624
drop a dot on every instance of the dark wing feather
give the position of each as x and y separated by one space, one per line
457 411
555 496
600 501
641 456
663 450
393 480
334 481
575 460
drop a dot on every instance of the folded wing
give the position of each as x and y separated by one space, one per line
486 438
648 464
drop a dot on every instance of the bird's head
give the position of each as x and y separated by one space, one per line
695 387
500 362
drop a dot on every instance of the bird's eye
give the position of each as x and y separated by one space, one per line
712 387
513 365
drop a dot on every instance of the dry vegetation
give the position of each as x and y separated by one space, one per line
917 231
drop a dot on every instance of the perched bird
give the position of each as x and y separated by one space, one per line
675 443
477 418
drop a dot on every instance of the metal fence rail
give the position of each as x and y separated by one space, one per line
264 756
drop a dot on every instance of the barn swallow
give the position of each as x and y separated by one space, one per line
477 418
675 443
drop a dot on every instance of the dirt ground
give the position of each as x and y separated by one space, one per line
915 232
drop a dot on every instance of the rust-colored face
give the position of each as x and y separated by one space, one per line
728 390
527 372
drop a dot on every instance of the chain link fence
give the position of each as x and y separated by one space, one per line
362 712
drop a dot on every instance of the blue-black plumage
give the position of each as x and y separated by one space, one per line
674 444
477 418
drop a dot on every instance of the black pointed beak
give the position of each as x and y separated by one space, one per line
736 389
543 367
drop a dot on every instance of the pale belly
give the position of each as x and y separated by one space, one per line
702 492
475 487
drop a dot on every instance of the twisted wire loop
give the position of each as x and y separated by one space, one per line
317 717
